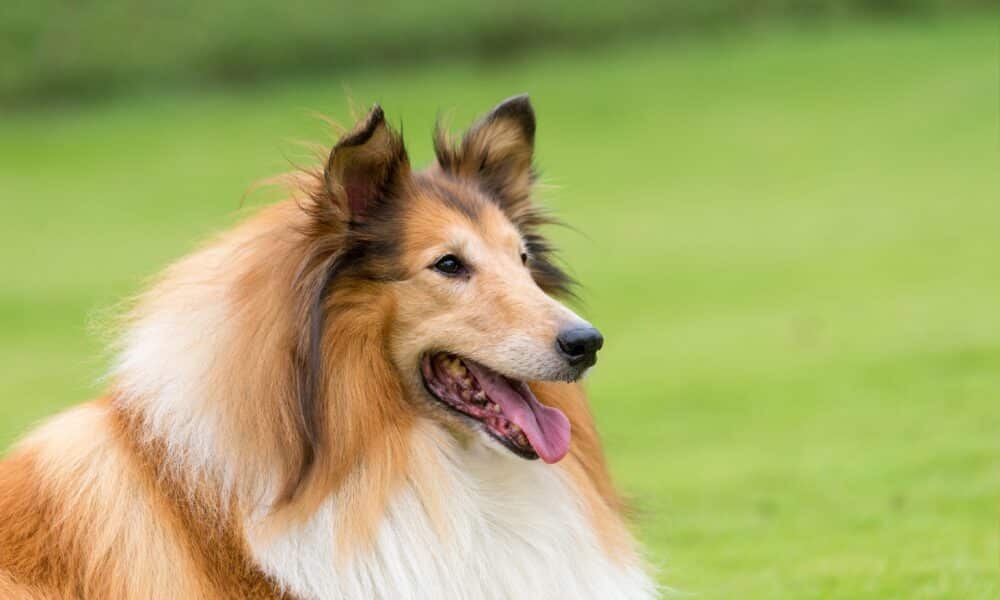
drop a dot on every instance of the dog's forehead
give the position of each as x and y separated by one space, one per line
442 211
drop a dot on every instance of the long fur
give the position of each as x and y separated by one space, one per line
263 436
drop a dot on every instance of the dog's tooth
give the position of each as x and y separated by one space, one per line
521 439
456 368
495 408
479 396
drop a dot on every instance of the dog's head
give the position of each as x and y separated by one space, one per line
465 281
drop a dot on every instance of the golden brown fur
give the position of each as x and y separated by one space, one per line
89 513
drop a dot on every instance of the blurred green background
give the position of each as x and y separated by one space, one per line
790 217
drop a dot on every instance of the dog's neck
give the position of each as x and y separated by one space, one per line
206 361
463 520
469 522
203 369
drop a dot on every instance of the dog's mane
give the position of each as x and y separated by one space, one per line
261 360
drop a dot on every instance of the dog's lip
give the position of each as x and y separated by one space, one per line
505 408
427 376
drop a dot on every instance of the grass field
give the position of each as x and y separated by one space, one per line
54 51
790 239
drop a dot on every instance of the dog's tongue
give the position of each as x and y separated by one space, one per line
546 428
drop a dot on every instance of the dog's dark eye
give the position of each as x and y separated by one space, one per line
449 264
524 258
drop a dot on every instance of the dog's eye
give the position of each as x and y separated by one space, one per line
449 264
524 258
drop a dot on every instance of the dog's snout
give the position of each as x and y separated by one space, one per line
580 345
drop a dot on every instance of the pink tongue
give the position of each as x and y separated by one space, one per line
546 428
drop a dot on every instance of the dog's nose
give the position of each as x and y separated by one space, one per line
580 345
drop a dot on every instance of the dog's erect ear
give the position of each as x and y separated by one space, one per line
367 166
497 151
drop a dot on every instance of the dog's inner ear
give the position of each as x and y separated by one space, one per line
366 167
497 152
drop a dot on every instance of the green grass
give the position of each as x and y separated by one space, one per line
792 243
67 50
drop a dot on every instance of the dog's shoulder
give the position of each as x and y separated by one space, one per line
79 517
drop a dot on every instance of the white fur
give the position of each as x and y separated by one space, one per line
165 365
516 530
165 373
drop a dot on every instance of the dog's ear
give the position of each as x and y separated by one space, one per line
367 166
497 152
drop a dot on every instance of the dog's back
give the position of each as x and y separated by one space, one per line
84 515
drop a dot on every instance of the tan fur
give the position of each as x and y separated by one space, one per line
254 397
502 299
372 422
85 516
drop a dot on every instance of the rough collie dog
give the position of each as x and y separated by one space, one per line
366 391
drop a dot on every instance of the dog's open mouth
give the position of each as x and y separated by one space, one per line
507 409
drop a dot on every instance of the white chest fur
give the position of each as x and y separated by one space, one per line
517 530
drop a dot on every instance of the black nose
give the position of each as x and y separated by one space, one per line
580 345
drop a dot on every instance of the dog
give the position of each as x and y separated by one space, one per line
369 390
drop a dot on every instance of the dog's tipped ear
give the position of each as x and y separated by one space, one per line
497 151
514 117
367 165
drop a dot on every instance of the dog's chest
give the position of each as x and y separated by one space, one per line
515 529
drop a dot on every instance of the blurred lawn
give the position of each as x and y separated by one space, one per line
791 245
62 50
